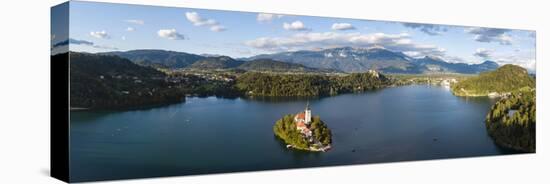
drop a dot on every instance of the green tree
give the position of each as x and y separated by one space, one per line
519 130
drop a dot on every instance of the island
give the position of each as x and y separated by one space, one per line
304 132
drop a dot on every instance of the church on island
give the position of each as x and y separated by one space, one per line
303 120
310 134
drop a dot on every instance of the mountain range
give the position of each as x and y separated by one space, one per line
351 59
178 60
343 59
159 58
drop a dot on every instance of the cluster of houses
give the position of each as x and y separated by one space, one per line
174 79
135 79
447 82
206 76
442 81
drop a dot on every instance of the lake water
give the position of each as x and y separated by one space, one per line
212 135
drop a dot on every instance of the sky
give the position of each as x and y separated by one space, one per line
103 27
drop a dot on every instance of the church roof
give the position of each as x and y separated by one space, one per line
301 115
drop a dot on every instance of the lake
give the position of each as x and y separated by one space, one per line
212 135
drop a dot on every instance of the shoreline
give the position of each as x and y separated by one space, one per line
248 97
311 149
125 108
482 95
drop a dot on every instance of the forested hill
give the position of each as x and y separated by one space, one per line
219 62
179 60
506 79
94 64
159 58
278 66
102 81
262 84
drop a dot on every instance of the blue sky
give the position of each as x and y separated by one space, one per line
102 27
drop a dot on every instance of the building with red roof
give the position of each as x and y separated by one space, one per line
302 121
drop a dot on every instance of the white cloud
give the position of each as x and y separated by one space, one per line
342 26
123 37
491 35
414 54
455 59
295 26
306 41
527 63
267 17
130 29
100 34
135 21
197 20
217 28
484 53
171 34
525 58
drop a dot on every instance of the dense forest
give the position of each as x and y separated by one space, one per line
110 82
285 129
511 122
264 84
269 65
506 79
220 62
320 130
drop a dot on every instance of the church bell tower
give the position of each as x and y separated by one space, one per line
307 114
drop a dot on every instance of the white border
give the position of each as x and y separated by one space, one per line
24 97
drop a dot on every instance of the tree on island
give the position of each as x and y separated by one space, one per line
285 129
511 122
321 131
